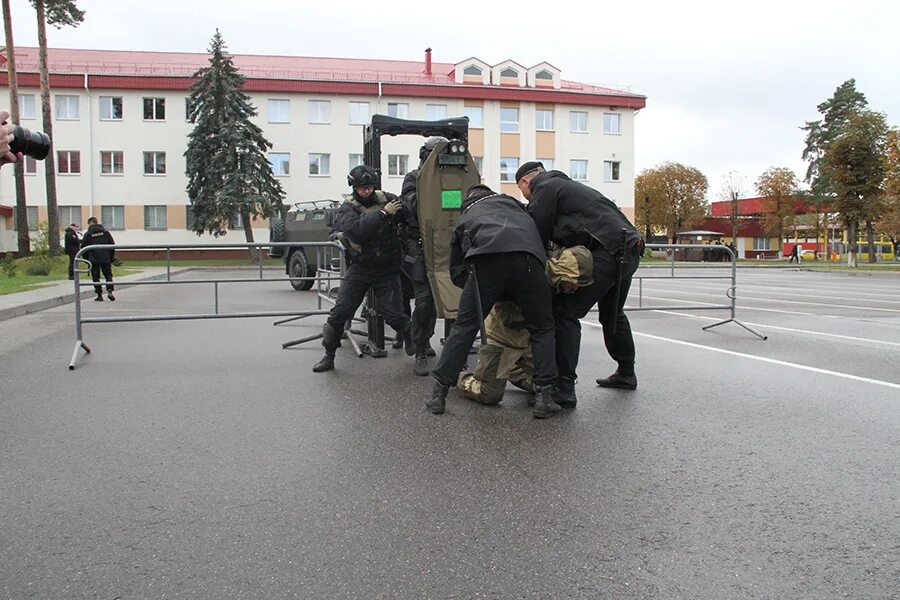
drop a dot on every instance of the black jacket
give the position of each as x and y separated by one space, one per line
97 234
72 243
492 224
410 202
572 214
373 233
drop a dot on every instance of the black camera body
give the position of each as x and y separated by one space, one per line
30 143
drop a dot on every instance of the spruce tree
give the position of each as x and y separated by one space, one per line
227 168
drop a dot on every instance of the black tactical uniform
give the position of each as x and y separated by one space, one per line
424 314
570 214
72 246
373 254
101 258
496 240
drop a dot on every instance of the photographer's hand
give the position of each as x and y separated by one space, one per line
6 138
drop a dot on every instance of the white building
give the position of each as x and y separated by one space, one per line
120 130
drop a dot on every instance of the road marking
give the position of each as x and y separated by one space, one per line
772 361
763 326
768 291
742 307
743 298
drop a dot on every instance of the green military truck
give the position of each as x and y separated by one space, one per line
302 222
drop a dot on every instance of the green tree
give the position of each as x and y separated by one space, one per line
675 196
854 164
227 168
57 13
889 223
836 112
23 242
779 188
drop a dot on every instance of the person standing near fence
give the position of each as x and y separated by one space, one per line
101 258
72 244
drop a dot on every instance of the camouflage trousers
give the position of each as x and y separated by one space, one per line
487 383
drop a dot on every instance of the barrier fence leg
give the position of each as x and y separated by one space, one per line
78 346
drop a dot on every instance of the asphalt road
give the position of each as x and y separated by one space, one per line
197 459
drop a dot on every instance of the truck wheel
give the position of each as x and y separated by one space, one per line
276 234
297 267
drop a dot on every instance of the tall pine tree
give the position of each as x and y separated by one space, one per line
227 168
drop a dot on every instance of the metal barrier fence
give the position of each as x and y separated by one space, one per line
329 259
730 292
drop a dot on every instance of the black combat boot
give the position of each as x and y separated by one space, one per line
438 399
423 365
398 342
544 405
99 298
408 342
429 351
326 364
619 381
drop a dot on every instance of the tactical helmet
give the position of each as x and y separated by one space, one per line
429 145
362 175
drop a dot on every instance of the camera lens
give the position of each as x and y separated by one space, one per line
30 143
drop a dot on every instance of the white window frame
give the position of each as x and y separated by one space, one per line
156 210
543 126
508 167
435 112
355 112
575 121
479 73
320 112
315 159
112 163
33 217
67 108
69 154
112 216
157 106
608 122
281 163
107 108
505 125
398 165
27 108
479 110
547 162
611 168
515 73
766 245
156 171
576 173
479 164
278 110
30 166
66 214
354 160
399 110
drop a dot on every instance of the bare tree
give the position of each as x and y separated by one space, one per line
24 243
732 190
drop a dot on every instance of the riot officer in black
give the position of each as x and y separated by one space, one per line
367 221
572 214
424 314
496 252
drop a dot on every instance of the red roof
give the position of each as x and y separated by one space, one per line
283 73
752 206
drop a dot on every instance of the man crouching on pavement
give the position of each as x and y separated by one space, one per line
496 252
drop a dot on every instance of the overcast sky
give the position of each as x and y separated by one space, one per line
727 84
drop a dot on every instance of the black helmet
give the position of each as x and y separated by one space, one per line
429 145
362 175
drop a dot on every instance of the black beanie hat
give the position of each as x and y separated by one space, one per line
527 168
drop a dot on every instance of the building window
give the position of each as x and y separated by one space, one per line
543 120
547 162
398 109
69 214
435 112
155 218
112 217
472 70
509 120
509 72
30 166
236 221
476 116
578 170
761 243
508 168
279 111
355 160
281 163
611 170
154 163
68 162
359 113
32 213
187 109
479 164
320 111
154 109
545 74
611 124
397 165
578 121
112 163
320 165
26 106
110 108
189 218
67 108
